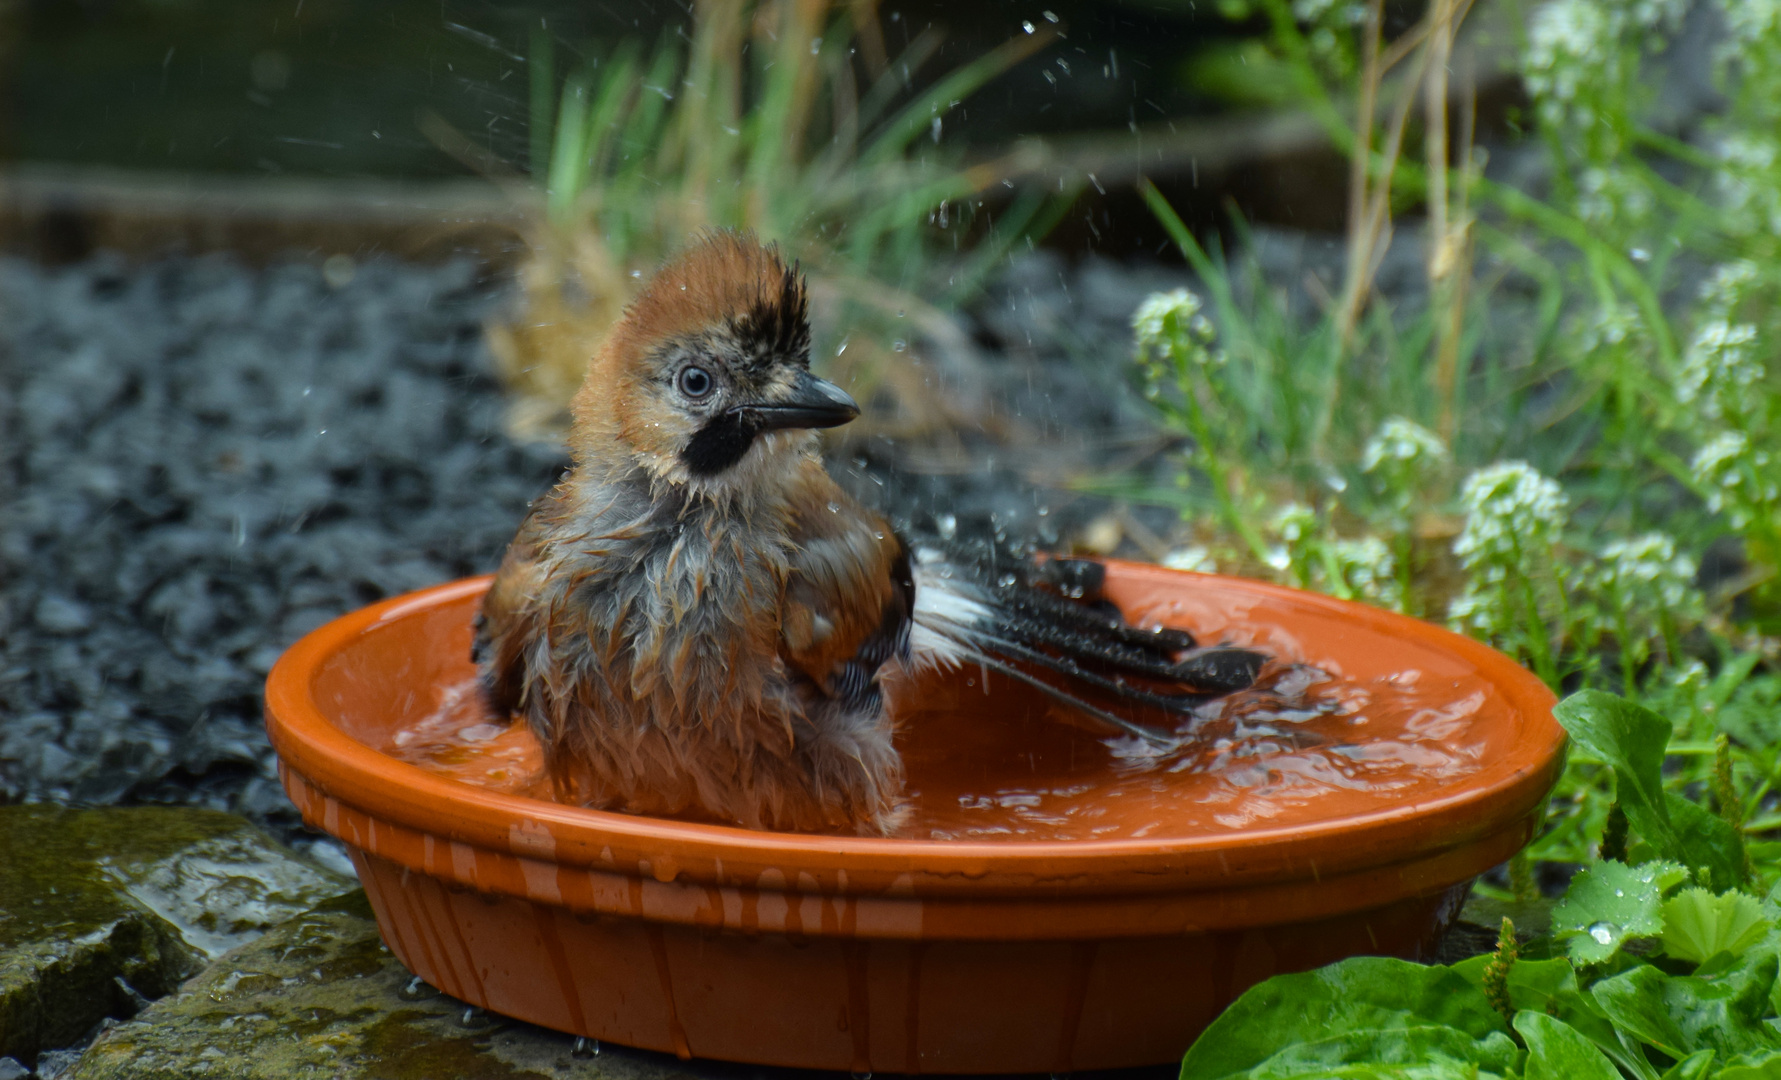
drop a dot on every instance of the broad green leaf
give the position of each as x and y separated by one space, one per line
1374 999
1611 903
1557 1051
1757 1067
1550 987
1634 1001
1726 1012
1684 1014
1630 739
1422 1053
1711 841
1698 924
1693 1067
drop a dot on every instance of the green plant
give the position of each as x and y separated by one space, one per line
763 119
1657 967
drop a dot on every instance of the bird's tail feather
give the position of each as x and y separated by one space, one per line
1015 624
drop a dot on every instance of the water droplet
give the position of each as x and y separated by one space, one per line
1603 932
899 345
585 1047
1027 26
1640 255
815 46
861 1074
947 525
416 990
1618 892
834 507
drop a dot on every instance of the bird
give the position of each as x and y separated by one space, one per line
697 621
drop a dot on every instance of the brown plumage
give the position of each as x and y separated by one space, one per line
694 621
671 617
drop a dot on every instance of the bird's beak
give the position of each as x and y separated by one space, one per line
812 403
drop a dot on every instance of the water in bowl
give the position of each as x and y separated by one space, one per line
989 759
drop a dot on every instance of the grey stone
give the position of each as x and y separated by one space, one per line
101 910
321 996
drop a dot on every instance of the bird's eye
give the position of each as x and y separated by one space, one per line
695 382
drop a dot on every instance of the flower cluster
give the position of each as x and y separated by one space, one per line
1740 479
1173 337
1163 319
1609 195
1726 290
1401 457
1646 572
1719 370
1612 325
1369 570
1298 528
1747 183
1570 48
1403 443
1511 510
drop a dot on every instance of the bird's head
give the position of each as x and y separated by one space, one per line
705 382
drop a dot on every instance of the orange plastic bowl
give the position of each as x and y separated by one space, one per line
900 955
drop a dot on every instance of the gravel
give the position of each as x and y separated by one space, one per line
202 461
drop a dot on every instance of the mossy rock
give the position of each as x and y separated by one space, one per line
321 996
101 909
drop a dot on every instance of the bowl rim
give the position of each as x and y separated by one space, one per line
1493 797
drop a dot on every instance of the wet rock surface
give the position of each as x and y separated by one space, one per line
320 996
102 910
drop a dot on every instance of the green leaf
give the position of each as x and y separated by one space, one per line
1550 987
1634 1001
1693 1067
1557 1051
1367 1009
1684 1014
1757 1067
1698 924
1726 1012
1422 1053
1630 739
1611 903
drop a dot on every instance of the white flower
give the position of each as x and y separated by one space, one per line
1192 557
1369 568
1479 612
1569 47
1609 195
1611 324
1647 570
1511 510
1162 315
1663 16
1722 293
1747 182
1295 522
1719 369
1403 441
1739 478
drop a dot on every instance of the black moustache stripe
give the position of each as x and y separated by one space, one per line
721 443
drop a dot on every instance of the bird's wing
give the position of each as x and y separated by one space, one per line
850 591
510 619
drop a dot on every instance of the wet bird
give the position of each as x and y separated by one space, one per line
696 621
